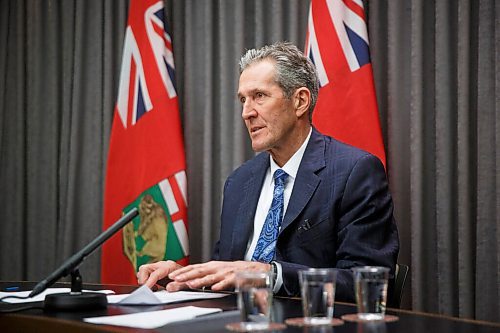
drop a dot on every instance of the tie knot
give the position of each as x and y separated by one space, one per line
280 176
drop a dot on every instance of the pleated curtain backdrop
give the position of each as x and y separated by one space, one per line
436 66
59 69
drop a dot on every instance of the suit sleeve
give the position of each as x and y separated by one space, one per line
366 232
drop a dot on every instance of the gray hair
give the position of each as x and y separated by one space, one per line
293 69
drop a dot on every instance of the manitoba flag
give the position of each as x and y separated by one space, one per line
337 43
146 163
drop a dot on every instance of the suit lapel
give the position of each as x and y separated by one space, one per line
307 180
243 224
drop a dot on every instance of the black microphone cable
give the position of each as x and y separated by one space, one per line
18 309
13 296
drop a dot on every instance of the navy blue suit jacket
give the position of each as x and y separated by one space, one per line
340 214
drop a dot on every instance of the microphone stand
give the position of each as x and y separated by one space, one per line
76 299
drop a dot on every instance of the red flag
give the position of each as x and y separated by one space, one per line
337 43
146 163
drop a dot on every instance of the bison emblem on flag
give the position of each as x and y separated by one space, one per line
159 228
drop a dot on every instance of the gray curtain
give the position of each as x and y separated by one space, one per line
437 79
436 67
58 80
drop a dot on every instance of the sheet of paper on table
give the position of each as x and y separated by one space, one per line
144 296
153 319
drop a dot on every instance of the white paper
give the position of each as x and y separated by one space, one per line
41 297
153 319
144 296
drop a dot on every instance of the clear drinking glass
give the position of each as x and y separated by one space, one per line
318 295
370 286
255 296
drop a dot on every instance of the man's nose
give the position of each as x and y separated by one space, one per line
248 110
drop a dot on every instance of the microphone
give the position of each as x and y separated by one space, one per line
71 266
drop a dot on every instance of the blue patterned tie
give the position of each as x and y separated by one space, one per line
266 245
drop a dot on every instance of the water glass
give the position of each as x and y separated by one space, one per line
370 286
255 295
318 295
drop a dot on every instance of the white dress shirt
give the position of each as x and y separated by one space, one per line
266 197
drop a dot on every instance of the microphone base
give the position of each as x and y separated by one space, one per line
75 302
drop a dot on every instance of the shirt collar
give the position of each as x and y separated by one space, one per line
291 167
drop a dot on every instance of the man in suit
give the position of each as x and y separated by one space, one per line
306 201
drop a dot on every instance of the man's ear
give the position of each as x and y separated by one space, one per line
301 100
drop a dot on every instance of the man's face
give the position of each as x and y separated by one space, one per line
268 115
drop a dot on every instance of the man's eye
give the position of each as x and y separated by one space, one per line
259 95
242 100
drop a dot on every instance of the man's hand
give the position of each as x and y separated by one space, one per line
219 275
149 274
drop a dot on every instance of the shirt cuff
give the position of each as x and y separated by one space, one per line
279 278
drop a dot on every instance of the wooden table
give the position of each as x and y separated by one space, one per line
36 320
